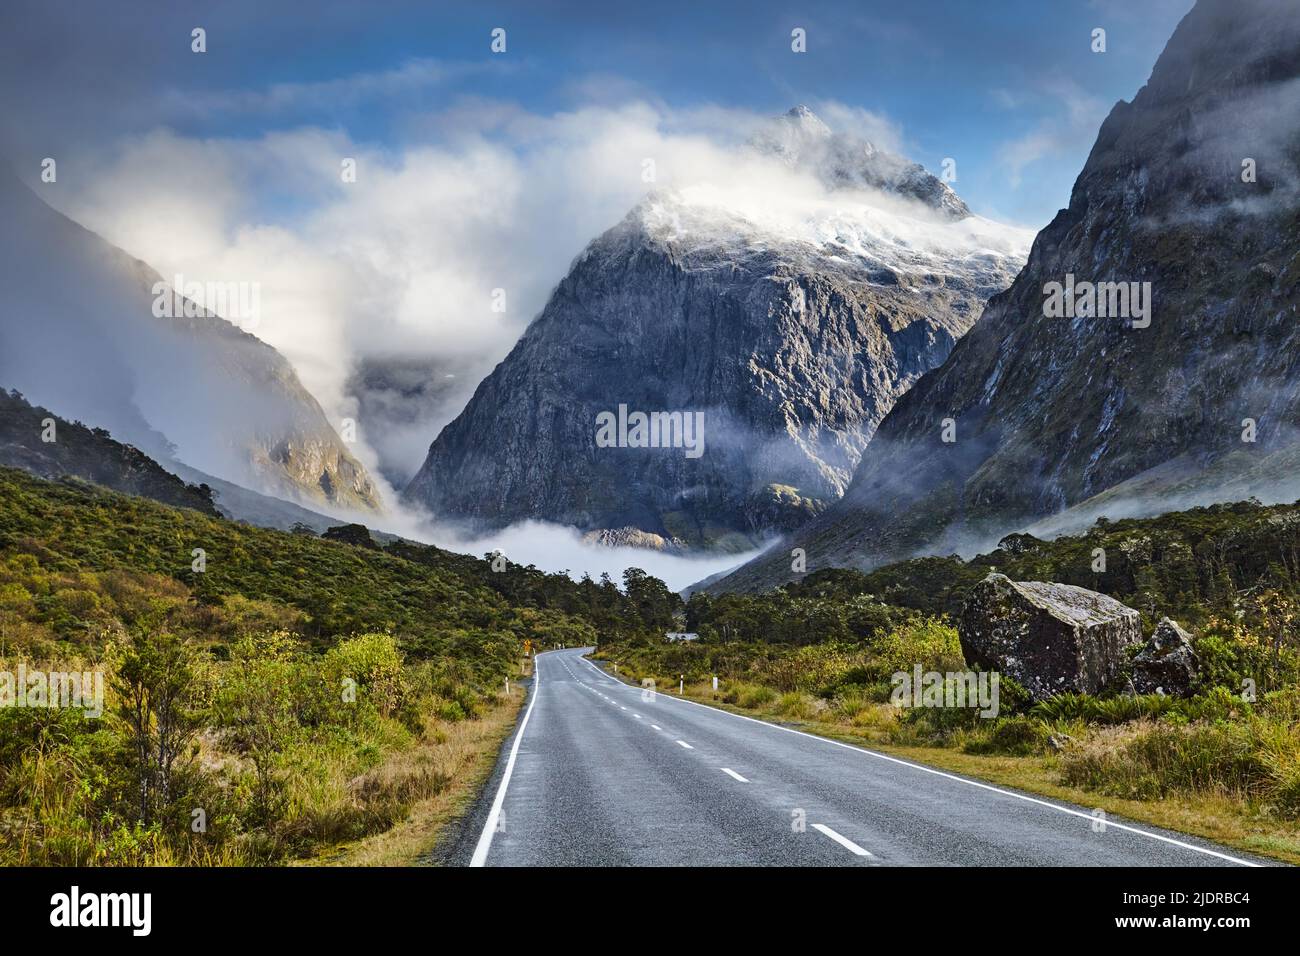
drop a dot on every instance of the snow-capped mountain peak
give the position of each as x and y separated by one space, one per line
790 296
802 141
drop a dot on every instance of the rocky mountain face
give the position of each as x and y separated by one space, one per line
79 333
1194 189
786 340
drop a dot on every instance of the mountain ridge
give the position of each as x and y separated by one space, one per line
1049 412
80 335
77 451
791 326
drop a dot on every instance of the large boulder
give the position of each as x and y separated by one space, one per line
1166 664
1049 638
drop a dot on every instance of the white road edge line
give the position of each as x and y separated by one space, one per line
948 776
490 824
682 743
732 774
841 840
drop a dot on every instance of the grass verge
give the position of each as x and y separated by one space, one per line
464 753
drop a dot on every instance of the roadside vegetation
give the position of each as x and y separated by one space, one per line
267 696
272 697
1224 762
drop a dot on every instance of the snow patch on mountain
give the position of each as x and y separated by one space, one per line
860 227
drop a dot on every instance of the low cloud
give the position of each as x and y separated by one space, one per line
553 548
557 548
403 264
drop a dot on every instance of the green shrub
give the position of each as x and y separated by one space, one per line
755 695
468 702
451 711
373 663
851 702
928 642
1252 759
1215 704
797 705
1016 736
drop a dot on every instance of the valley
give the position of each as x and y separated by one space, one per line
615 447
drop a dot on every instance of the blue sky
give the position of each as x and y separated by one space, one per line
483 172
1011 90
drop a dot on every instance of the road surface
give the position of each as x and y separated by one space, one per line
599 773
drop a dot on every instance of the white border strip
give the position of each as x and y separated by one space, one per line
948 776
489 826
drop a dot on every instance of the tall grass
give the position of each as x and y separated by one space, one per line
1254 760
284 763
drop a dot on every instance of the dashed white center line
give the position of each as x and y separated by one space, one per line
621 707
732 774
683 743
841 840
656 727
637 716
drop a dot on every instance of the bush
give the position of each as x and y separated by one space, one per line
797 706
451 711
851 702
373 664
1253 759
755 695
1216 704
928 642
1017 736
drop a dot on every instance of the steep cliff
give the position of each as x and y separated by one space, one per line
1191 192
786 328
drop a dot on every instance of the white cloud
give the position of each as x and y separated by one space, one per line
1071 127
876 128
554 547
413 78
402 263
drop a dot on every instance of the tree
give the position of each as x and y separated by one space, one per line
155 682
650 598
1277 617
256 706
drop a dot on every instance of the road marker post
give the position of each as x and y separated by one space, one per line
715 681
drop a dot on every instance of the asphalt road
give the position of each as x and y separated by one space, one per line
599 773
